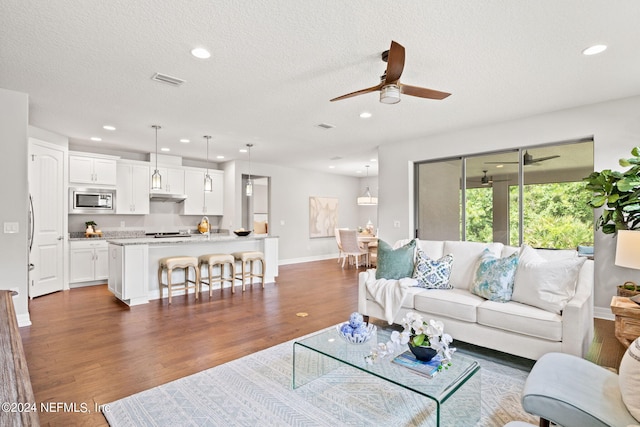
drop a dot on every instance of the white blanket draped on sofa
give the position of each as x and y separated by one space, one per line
389 294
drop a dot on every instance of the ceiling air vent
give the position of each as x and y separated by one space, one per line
173 81
325 126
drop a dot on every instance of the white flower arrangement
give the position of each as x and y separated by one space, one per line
430 334
420 333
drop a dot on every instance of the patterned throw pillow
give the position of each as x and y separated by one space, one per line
629 378
494 277
395 264
432 274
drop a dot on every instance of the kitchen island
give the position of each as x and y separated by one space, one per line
133 262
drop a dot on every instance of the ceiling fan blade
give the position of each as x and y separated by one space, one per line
358 92
395 63
422 92
542 159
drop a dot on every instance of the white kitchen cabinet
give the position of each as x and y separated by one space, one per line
91 169
88 261
172 179
198 201
132 188
129 273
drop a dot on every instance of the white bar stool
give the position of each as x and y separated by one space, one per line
249 257
221 260
169 264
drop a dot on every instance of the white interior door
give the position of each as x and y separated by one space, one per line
46 185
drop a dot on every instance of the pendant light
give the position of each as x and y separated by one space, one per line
367 199
208 182
156 178
249 187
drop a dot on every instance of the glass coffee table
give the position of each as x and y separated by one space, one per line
455 392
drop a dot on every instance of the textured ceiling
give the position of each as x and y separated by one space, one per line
276 64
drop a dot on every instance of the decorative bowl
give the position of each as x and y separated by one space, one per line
423 354
357 339
242 233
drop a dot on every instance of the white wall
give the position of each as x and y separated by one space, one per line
14 118
615 126
289 210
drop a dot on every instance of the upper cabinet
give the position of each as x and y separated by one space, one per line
172 179
92 169
198 201
132 189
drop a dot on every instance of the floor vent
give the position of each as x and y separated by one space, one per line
173 81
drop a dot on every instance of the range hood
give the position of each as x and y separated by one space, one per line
167 197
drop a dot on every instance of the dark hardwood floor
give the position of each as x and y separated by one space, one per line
85 348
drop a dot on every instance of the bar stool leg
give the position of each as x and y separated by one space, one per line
233 275
195 284
243 275
169 283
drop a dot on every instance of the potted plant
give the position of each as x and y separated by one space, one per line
426 339
90 226
619 194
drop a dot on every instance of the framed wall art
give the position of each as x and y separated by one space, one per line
323 216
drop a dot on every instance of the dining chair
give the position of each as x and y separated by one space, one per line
351 247
341 254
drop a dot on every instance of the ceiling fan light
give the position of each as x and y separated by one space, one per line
390 94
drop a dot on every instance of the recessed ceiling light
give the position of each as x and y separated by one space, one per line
185 141
108 127
95 138
332 167
595 49
243 150
165 149
358 171
365 115
219 157
499 166
200 52
373 160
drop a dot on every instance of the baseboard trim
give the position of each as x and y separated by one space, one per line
603 313
306 259
23 320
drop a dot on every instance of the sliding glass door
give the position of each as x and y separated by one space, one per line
532 195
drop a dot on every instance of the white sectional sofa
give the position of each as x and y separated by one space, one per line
511 327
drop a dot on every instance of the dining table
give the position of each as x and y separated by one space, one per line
369 242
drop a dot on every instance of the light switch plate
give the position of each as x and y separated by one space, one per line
11 227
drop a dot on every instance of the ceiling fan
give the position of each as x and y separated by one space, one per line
488 180
527 160
390 87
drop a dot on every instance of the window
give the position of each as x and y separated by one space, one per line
553 211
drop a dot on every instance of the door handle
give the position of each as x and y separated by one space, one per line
60 237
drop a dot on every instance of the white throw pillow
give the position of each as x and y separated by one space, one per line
546 284
629 378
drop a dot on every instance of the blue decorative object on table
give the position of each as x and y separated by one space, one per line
355 331
359 335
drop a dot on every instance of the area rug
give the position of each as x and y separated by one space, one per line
256 391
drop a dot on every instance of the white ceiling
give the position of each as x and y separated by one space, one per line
276 64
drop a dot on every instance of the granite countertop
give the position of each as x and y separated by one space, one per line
179 240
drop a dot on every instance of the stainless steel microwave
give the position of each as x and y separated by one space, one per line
92 201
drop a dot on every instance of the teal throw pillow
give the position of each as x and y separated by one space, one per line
432 274
495 277
395 264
